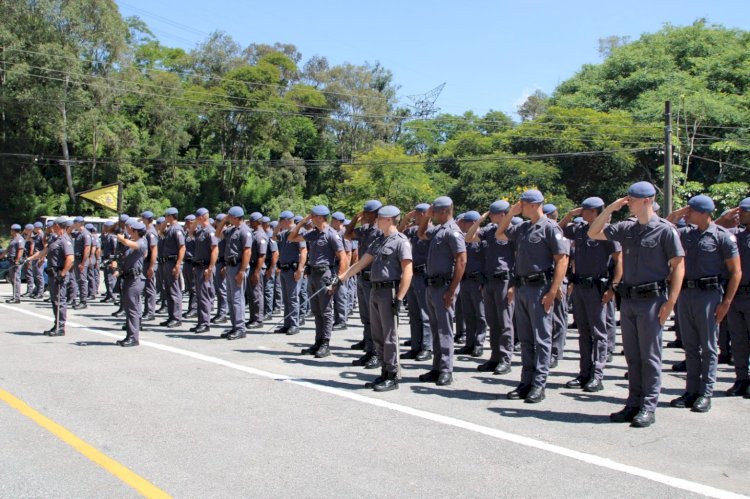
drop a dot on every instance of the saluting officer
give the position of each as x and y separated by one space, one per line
472 285
340 297
364 235
237 256
499 265
131 272
592 292
220 283
255 291
82 251
419 319
150 267
446 261
389 257
652 256
711 258
187 267
325 247
174 252
292 261
15 255
204 266
541 264
94 256
109 243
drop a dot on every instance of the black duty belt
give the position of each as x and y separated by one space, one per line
52 270
200 263
648 290
503 275
704 283
165 259
188 259
289 266
320 269
233 260
438 281
385 285
132 273
589 282
420 269
538 279
474 276
220 260
743 289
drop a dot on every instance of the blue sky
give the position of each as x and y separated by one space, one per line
491 54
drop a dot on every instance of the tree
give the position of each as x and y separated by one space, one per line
534 106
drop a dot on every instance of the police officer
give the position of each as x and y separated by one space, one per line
161 280
592 292
446 261
37 274
304 303
341 294
255 290
389 257
237 254
109 243
711 256
292 261
174 252
16 249
59 254
130 269
150 267
472 286
269 268
364 235
26 266
541 264
204 266
498 292
187 267
220 283
560 309
94 256
82 251
419 319
652 256
325 247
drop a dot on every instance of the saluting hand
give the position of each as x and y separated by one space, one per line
617 205
575 212
516 209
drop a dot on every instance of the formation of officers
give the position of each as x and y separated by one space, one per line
510 270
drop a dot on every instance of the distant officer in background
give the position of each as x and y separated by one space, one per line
174 252
204 266
187 267
269 268
255 291
541 264
498 292
292 261
239 243
446 261
161 278
560 309
419 319
304 303
220 283
26 266
711 259
16 249
37 274
472 286
109 243
94 256
150 267
652 258
82 252
341 294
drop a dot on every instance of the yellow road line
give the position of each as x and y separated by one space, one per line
141 485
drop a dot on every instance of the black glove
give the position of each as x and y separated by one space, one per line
396 306
335 281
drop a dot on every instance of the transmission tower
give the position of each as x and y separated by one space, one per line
424 104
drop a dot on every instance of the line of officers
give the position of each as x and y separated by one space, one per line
512 276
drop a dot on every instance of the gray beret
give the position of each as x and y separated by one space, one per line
200 212
320 210
592 203
500 206
236 211
472 216
389 212
442 202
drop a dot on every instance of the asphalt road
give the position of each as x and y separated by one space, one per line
198 416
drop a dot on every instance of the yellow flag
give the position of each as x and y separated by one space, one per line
105 196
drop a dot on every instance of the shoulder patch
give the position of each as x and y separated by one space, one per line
558 236
457 234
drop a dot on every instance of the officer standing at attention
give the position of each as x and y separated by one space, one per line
82 251
150 267
592 292
389 256
15 255
220 283
109 243
419 319
340 297
204 266
59 254
94 255
304 303
255 291
37 274
364 235
652 256
161 279
29 250
325 247
292 261
187 267
472 286
499 265
541 264
269 268
711 257
237 253
446 261
174 252
131 273
560 309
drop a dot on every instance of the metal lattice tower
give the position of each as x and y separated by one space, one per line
424 104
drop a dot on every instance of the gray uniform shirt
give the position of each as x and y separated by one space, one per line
15 247
82 240
537 244
260 245
646 249
152 241
592 257
133 259
323 246
59 248
288 250
174 238
706 251
419 247
446 241
388 253
205 240
499 255
743 245
239 237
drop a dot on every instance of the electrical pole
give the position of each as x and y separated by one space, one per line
667 209
120 196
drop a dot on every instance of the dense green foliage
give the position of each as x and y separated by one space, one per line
88 98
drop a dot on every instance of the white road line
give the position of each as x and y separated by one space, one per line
592 459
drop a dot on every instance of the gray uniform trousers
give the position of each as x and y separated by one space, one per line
268 287
384 328
278 299
93 276
560 324
304 292
699 338
591 318
419 320
363 293
38 273
255 297
611 324
322 305
131 293
739 328
473 312
534 330
441 323
499 319
71 283
161 285
353 283
340 304
173 291
220 289
290 293
187 277
459 316
14 276
204 294
149 293
641 338
58 298
109 281
82 281
236 298
28 271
